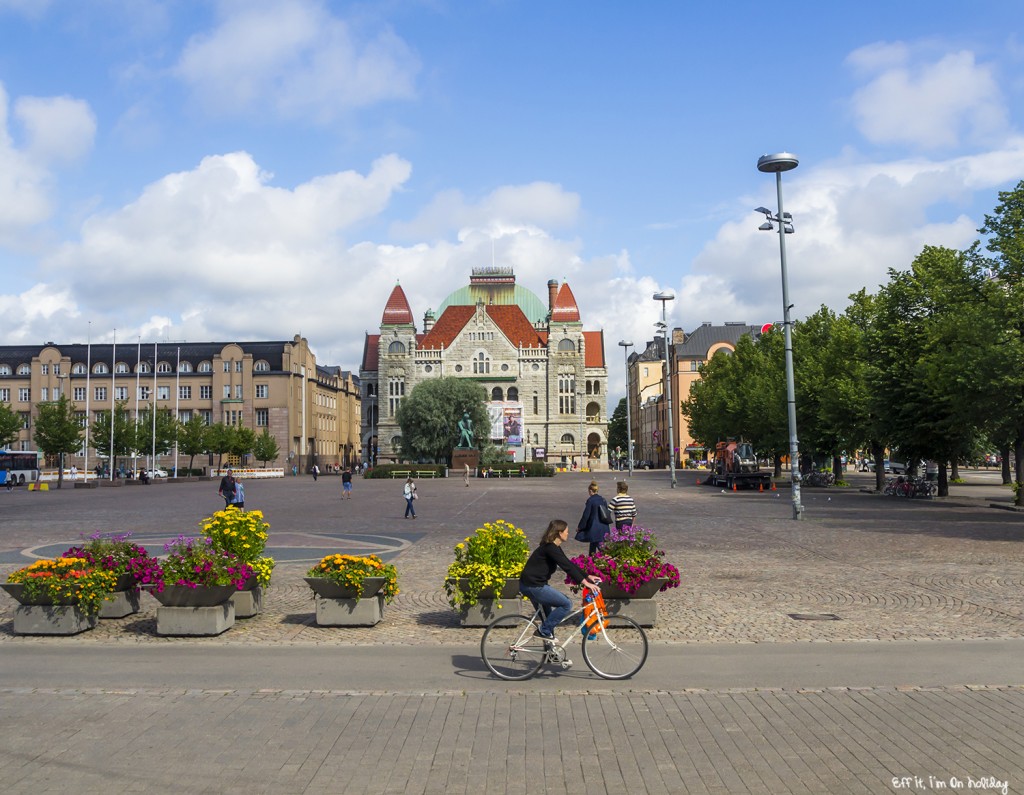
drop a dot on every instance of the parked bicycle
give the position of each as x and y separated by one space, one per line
816 478
613 647
903 486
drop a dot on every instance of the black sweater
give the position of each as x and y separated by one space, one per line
543 562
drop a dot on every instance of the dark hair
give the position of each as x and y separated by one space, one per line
622 486
555 528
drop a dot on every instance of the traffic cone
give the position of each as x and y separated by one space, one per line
734 485
760 486
773 486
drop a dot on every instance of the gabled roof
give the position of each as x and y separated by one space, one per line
397 311
509 318
565 309
594 341
701 339
371 353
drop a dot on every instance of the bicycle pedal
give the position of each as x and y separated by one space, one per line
566 665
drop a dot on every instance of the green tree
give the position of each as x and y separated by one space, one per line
192 439
166 432
10 424
618 433
123 435
243 440
429 417
218 439
57 431
265 448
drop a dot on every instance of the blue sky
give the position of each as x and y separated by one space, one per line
253 169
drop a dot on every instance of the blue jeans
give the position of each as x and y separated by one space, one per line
408 507
555 604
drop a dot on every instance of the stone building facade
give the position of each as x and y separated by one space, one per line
312 411
545 375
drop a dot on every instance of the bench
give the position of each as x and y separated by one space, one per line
426 473
400 473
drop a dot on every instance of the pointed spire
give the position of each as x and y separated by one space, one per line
565 309
397 311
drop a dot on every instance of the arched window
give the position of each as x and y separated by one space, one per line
513 393
205 367
593 412
100 368
121 367
143 367
262 366
164 367
567 438
24 369
5 369
185 367
566 346
396 347
496 394
481 364
396 442
78 369
597 387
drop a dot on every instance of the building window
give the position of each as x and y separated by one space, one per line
24 369
227 391
184 367
536 405
481 364
205 392
143 367
24 394
5 395
26 420
458 368
694 364
164 367
184 393
121 367
143 393
238 391
396 347
205 367
79 393
646 371
566 394
262 390
428 368
44 369
566 346
513 394
261 366
120 393
496 394
569 439
163 393
262 418
185 415
44 394
238 366
78 369
207 416
100 393
396 391
504 368
5 369
100 368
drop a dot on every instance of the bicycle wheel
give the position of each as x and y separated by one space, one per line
619 651
510 650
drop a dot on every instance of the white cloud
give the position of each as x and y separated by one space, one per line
58 129
932 105
294 59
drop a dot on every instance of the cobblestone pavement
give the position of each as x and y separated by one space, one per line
889 570
886 568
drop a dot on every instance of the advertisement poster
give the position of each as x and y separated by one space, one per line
506 422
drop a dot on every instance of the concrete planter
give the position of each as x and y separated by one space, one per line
339 606
203 596
640 606
123 603
248 603
41 616
195 621
329 589
490 604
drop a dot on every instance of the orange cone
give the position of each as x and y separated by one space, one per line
773 486
760 486
734 485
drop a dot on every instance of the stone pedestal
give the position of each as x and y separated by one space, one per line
195 620
124 603
51 620
348 612
462 456
248 603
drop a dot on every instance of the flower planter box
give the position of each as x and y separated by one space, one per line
41 616
195 621
338 605
490 604
124 603
640 606
248 603
203 596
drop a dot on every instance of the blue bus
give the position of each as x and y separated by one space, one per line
18 467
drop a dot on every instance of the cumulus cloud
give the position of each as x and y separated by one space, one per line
53 131
936 104
294 59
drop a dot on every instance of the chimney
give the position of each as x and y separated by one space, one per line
552 294
678 337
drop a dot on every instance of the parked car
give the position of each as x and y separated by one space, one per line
157 473
896 467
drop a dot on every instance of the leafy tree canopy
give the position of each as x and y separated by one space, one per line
430 414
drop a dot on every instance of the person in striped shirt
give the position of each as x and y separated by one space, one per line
623 506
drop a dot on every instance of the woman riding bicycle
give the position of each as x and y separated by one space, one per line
533 582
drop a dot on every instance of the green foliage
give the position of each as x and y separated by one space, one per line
243 440
57 430
124 433
618 433
429 417
192 438
217 439
10 425
166 431
484 560
265 447
351 570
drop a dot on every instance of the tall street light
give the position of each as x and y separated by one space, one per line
665 297
776 164
579 401
626 345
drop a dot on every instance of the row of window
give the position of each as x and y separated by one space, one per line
231 417
100 393
120 368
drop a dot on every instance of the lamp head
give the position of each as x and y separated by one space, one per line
764 210
625 344
664 296
766 226
773 164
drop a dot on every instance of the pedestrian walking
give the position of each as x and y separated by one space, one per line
227 487
410 496
239 501
316 472
465 475
596 520
346 484
623 506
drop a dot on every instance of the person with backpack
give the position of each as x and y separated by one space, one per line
596 521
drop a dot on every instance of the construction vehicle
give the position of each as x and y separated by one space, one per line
735 466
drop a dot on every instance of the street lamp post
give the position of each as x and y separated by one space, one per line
579 400
776 164
626 345
665 297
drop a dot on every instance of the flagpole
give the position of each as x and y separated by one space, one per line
177 413
88 371
153 404
138 375
113 382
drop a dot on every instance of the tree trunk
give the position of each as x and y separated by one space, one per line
1004 452
955 467
1018 465
943 480
837 466
878 454
778 465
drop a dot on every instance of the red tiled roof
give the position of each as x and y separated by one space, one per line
509 318
397 311
371 353
594 341
565 309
